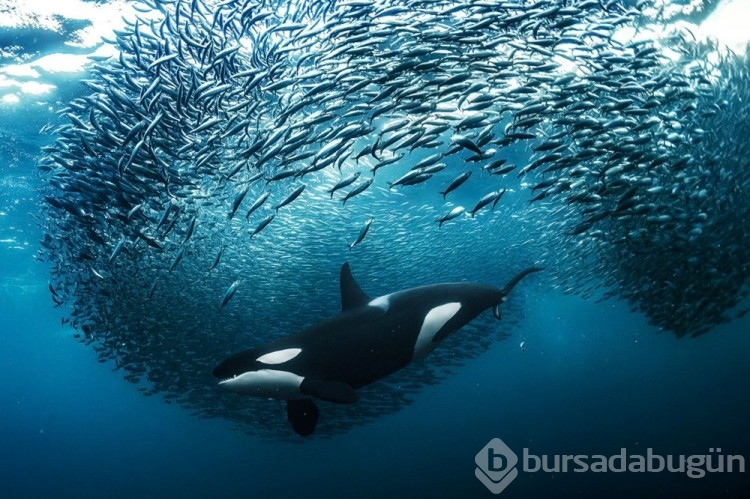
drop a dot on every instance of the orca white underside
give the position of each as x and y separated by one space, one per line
271 383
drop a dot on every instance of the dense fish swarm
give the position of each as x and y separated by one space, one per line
203 193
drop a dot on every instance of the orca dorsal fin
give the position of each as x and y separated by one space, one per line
352 295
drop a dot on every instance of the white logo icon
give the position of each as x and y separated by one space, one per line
496 465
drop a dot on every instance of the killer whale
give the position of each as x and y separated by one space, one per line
369 339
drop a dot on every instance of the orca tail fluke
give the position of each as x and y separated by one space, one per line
509 287
512 283
303 415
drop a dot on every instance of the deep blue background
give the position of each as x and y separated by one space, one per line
594 378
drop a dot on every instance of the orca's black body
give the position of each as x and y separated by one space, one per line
367 341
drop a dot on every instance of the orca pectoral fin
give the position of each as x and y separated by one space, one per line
331 391
303 415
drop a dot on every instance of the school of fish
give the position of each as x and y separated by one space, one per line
219 170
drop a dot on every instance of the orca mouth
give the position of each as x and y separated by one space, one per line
225 372
230 378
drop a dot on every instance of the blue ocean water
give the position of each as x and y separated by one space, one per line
591 378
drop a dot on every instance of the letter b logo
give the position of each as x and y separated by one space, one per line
496 465
496 462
